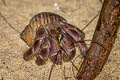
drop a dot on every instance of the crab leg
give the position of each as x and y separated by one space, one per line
42 56
34 49
77 35
39 60
69 49
57 59
44 52
54 47
55 52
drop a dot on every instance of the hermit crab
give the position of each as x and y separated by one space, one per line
50 36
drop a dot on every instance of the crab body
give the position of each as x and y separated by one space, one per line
50 36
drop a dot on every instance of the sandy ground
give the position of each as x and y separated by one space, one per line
19 12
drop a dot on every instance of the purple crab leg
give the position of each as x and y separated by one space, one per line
39 60
40 35
55 52
80 32
57 59
44 52
45 49
69 47
55 47
34 49
77 35
42 56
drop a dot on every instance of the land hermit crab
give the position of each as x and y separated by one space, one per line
50 36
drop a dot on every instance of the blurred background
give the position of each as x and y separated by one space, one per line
19 12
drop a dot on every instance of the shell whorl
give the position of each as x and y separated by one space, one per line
46 17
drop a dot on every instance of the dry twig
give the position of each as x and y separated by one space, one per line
105 34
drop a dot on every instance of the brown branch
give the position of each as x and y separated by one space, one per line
105 34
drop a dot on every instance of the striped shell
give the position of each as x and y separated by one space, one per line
37 21
46 17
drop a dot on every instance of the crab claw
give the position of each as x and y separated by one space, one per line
68 47
77 35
